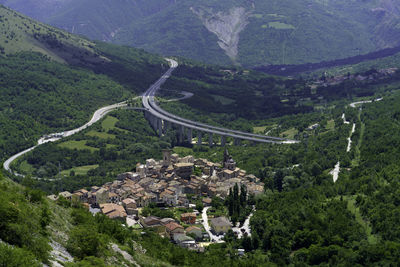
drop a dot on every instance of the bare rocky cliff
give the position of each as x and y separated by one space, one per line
226 26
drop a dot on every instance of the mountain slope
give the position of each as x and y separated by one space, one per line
52 81
303 219
247 32
20 33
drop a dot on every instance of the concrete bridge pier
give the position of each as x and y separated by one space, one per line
210 139
147 115
153 121
236 142
159 126
181 133
223 140
199 141
190 135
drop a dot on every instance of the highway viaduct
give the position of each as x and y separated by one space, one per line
161 120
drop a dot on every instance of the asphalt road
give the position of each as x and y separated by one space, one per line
150 104
185 95
155 110
213 238
98 114
353 105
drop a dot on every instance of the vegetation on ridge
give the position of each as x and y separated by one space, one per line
276 32
303 217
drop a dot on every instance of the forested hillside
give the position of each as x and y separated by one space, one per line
39 96
53 81
303 217
20 33
250 33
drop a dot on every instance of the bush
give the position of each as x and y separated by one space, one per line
85 241
16 257
87 262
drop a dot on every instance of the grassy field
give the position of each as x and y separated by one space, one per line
289 133
82 170
351 206
101 135
109 123
330 125
80 145
259 129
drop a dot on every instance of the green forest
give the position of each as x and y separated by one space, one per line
303 218
40 96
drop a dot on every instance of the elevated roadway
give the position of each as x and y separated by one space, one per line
157 116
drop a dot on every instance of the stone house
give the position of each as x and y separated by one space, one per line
130 206
101 196
67 195
113 197
150 221
165 221
168 199
113 211
194 231
220 225
184 241
173 228
184 170
183 201
188 218
206 201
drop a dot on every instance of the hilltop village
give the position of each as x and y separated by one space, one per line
173 183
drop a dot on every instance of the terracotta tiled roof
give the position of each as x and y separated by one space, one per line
172 226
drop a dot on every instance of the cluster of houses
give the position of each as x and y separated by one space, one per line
193 233
171 228
168 183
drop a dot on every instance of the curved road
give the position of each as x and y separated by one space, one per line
185 95
150 104
98 114
354 104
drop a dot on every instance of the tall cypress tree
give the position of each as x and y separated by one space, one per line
229 202
243 195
